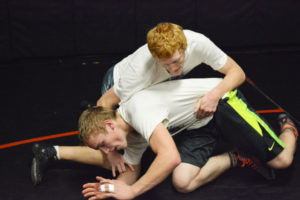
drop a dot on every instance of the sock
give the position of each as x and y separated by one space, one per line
57 152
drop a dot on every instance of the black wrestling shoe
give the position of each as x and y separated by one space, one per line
261 168
43 155
286 123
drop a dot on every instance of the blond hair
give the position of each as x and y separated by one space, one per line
165 39
91 121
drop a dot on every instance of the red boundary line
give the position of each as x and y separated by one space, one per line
3 146
279 110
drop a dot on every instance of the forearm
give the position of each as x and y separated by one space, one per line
129 177
159 170
109 99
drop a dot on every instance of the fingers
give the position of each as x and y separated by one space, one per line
130 166
121 168
113 169
103 196
98 195
88 190
203 109
100 179
93 191
88 194
197 107
201 114
90 185
103 180
92 198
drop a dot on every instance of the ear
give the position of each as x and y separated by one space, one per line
109 123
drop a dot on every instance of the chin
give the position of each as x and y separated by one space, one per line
177 73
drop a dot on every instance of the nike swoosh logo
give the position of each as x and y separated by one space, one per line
270 148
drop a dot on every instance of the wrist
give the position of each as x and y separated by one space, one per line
216 94
135 191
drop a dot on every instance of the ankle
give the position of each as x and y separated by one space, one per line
233 158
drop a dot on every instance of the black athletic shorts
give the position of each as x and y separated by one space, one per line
239 124
196 146
236 123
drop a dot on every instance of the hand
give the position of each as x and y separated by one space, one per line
121 190
117 161
206 106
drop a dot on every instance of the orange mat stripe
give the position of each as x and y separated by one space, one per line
279 110
3 146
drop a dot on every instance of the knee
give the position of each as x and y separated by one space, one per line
181 184
283 161
185 185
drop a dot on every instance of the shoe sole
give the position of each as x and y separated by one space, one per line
34 177
37 155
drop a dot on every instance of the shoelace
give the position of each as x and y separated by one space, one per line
248 162
289 125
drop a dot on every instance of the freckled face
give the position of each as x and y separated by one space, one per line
173 65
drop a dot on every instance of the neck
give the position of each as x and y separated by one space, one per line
124 125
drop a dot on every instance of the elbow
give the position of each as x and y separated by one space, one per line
243 76
237 69
173 159
176 160
240 74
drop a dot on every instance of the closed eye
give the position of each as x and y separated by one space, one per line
99 146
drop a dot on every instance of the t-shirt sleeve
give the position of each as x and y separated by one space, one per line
207 51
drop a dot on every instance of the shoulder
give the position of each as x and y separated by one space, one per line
192 35
141 54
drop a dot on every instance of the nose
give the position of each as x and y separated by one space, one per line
175 67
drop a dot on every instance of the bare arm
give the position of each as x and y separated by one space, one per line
109 99
167 158
130 176
234 77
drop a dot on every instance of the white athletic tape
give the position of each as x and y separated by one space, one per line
102 188
111 188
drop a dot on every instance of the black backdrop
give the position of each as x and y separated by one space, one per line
70 28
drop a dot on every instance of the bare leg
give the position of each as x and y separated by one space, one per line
187 177
285 158
84 154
